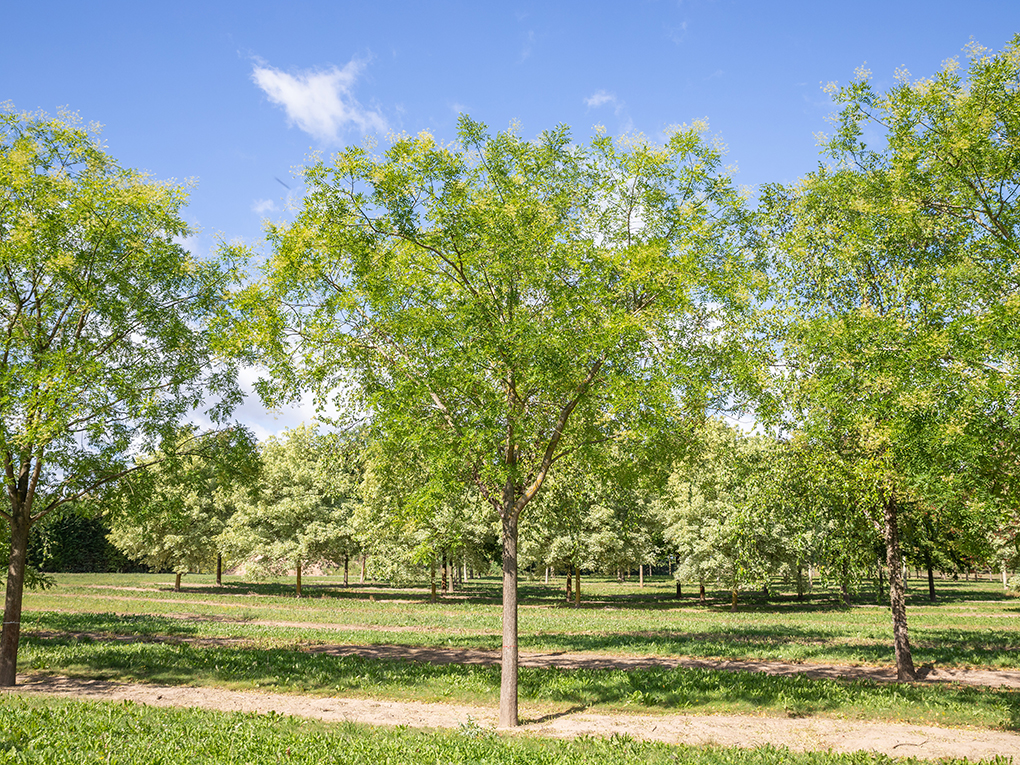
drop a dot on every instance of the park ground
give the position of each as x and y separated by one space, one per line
632 663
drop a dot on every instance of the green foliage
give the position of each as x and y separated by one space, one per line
102 351
170 516
299 511
71 541
497 304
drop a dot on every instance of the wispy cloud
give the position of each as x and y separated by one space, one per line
677 33
263 206
600 98
319 101
529 44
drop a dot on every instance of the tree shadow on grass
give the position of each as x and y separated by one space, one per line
687 689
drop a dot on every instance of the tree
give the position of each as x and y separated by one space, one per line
102 346
502 303
171 516
299 512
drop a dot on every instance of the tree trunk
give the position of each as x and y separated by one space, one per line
508 679
881 584
679 592
577 586
363 562
570 589
844 583
931 584
641 574
298 595
20 524
733 597
219 570
800 583
177 581
547 575
901 642
433 597
701 592
347 569
443 583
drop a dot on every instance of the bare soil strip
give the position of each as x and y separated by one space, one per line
801 734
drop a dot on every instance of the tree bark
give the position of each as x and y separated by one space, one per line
800 583
177 581
20 524
298 595
641 574
577 586
347 569
219 570
508 679
364 560
931 584
733 597
679 592
901 642
701 592
570 588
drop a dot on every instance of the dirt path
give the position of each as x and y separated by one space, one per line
801 734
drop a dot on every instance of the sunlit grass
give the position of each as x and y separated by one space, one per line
37 732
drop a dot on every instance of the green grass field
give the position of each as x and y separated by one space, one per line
244 635
42 732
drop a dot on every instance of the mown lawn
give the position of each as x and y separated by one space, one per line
131 627
48 732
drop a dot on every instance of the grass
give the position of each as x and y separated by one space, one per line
971 625
59 732
280 667
253 636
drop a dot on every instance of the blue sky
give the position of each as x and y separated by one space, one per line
236 95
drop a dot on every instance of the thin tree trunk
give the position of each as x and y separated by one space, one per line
347 569
364 560
433 597
701 592
679 592
443 580
570 588
298 595
577 586
904 661
547 575
733 597
1005 581
881 584
177 581
508 678
844 583
800 583
20 524
641 574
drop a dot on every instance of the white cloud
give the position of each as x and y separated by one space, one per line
319 101
263 206
600 98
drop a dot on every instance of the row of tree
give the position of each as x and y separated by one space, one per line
535 324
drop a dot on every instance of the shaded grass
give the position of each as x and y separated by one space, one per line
286 669
36 731
841 641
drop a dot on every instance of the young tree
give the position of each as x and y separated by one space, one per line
300 510
102 346
503 303
170 516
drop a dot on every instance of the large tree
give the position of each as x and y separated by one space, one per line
898 290
502 303
102 346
